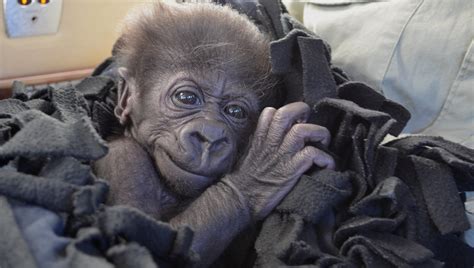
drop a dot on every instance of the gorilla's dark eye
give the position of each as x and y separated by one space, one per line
235 111
188 98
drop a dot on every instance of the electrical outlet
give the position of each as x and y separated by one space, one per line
24 18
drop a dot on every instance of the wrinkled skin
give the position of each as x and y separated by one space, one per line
194 141
194 148
198 150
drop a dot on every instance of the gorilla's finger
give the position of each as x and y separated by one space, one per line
299 134
285 117
264 121
310 155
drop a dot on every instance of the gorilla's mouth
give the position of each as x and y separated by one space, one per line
177 165
199 166
180 180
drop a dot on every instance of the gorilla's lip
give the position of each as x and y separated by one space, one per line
180 181
167 157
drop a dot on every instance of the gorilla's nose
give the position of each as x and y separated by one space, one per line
209 141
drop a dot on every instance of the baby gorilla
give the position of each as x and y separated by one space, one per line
194 79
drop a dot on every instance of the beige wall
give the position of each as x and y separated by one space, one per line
86 34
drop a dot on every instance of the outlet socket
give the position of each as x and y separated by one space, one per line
32 19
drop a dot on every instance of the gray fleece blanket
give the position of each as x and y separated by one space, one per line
397 204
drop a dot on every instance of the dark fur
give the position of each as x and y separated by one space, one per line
204 37
178 162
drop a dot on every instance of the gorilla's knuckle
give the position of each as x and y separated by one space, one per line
281 116
292 166
281 171
282 156
298 130
271 141
268 110
292 140
257 140
310 152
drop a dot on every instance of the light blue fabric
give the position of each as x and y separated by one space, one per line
469 235
14 250
419 53
42 229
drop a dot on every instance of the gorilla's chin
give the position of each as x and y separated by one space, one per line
180 181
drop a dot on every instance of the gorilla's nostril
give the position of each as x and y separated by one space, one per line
218 145
207 138
211 145
199 137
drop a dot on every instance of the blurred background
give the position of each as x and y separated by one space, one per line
53 41
57 41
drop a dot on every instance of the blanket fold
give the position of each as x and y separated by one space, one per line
58 218
392 211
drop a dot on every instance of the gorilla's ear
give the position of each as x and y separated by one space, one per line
125 96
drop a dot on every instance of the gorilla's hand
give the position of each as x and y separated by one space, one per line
278 156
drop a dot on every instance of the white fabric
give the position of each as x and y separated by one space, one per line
417 52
